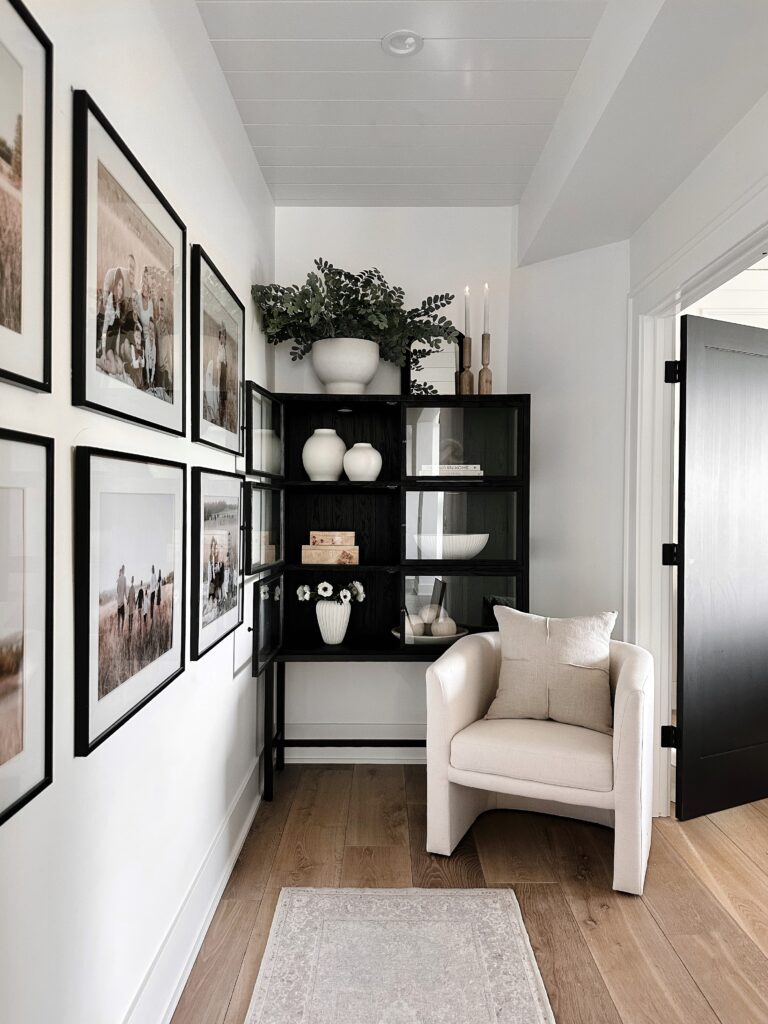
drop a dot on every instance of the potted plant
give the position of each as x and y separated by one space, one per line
332 607
348 321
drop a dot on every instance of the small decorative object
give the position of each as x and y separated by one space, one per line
414 624
333 607
444 626
336 538
485 377
450 546
329 554
218 333
263 448
263 527
217 593
466 377
129 282
362 462
348 321
26 87
323 455
130 547
267 621
432 371
26 618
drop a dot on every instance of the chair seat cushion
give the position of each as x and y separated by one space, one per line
548 752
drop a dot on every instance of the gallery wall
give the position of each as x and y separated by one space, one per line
109 874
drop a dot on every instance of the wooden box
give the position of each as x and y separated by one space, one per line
329 554
332 538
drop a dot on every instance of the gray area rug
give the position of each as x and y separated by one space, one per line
399 956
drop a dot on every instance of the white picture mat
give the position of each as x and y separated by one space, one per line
24 353
99 387
212 432
23 465
227 487
128 477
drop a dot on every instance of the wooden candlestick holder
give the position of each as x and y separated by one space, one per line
466 377
485 377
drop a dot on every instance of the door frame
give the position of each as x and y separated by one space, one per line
651 456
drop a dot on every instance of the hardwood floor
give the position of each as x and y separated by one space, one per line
692 950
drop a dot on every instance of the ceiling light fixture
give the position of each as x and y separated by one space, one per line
402 43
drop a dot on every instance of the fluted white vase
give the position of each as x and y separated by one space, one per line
362 462
333 619
323 455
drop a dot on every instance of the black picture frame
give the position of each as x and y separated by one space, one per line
83 456
200 257
254 454
261 624
84 109
43 383
46 779
198 472
252 492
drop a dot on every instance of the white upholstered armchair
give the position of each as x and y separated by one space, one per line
474 764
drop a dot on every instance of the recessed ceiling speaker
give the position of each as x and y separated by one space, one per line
402 43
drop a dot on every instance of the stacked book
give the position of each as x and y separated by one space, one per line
330 547
453 469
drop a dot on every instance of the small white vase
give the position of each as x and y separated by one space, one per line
362 462
333 619
323 455
345 365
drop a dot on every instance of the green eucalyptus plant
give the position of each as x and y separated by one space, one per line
335 303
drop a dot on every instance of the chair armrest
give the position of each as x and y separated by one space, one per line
460 687
633 704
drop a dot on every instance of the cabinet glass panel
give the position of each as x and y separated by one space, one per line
267 621
459 526
264 545
441 608
473 441
263 443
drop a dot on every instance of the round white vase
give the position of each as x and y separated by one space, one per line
323 455
362 462
333 619
345 365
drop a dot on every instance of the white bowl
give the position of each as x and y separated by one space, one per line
455 546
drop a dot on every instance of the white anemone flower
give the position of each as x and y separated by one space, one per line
359 591
345 596
302 592
325 589
264 592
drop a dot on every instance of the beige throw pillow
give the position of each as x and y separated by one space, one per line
555 668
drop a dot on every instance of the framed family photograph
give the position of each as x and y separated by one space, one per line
217 591
267 621
218 363
26 104
263 526
263 433
26 618
130 545
128 282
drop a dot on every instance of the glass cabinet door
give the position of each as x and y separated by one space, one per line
263 433
462 525
440 608
267 621
263 526
470 441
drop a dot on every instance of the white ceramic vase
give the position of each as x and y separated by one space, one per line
362 462
345 365
323 455
333 619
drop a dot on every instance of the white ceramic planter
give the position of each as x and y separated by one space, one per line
333 619
323 455
345 365
362 462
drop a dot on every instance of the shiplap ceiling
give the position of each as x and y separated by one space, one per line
336 121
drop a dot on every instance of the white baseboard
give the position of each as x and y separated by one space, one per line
355 755
161 988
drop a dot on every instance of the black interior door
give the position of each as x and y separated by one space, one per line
722 757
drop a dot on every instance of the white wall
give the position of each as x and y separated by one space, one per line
568 328
96 869
425 250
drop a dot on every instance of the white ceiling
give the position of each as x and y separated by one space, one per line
335 121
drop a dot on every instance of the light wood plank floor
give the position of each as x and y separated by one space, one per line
692 950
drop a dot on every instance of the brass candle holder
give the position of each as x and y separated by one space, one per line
485 377
466 377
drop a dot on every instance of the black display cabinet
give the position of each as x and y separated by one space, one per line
428 531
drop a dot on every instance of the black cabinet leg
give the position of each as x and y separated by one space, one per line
269 733
280 759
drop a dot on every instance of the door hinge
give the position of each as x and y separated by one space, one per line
672 371
670 554
669 736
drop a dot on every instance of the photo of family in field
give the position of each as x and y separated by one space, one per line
137 546
11 623
11 96
134 290
220 344
220 567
